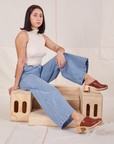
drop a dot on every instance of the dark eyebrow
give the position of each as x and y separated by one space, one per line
40 13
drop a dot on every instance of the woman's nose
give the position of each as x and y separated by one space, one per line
38 18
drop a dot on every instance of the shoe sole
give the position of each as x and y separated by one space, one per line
87 88
81 129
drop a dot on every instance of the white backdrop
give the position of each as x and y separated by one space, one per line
82 27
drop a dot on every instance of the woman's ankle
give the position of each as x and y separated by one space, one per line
77 117
88 79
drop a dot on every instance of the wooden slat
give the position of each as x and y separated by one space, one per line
39 117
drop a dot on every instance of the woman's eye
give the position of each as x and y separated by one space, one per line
40 16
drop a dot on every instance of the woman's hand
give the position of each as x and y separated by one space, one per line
12 88
60 60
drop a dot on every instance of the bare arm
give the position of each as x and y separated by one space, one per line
53 46
21 44
56 48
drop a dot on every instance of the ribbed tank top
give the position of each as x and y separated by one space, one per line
36 49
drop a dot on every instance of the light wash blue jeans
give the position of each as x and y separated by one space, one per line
36 80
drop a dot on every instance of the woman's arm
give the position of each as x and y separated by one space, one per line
56 48
21 44
53 46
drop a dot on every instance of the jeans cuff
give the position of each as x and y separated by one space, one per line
66 120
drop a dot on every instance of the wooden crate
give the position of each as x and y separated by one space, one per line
25 108
20 105
91 103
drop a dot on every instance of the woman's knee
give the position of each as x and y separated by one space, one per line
23 85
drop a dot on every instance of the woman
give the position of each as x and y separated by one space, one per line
31 46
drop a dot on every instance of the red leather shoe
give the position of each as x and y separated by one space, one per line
96 85
88 123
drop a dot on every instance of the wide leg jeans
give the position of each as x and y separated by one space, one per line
36 80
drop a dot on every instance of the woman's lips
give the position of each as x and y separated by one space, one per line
38 22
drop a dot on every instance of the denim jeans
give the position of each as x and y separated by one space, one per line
36 80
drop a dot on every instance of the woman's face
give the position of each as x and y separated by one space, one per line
36 18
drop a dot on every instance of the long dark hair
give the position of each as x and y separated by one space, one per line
27 23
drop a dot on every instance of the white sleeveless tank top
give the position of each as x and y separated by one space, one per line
36 49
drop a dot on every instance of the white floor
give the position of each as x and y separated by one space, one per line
21 133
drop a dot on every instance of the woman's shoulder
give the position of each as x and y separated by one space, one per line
43 35
22 35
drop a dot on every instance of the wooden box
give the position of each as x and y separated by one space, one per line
91 103
20 105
